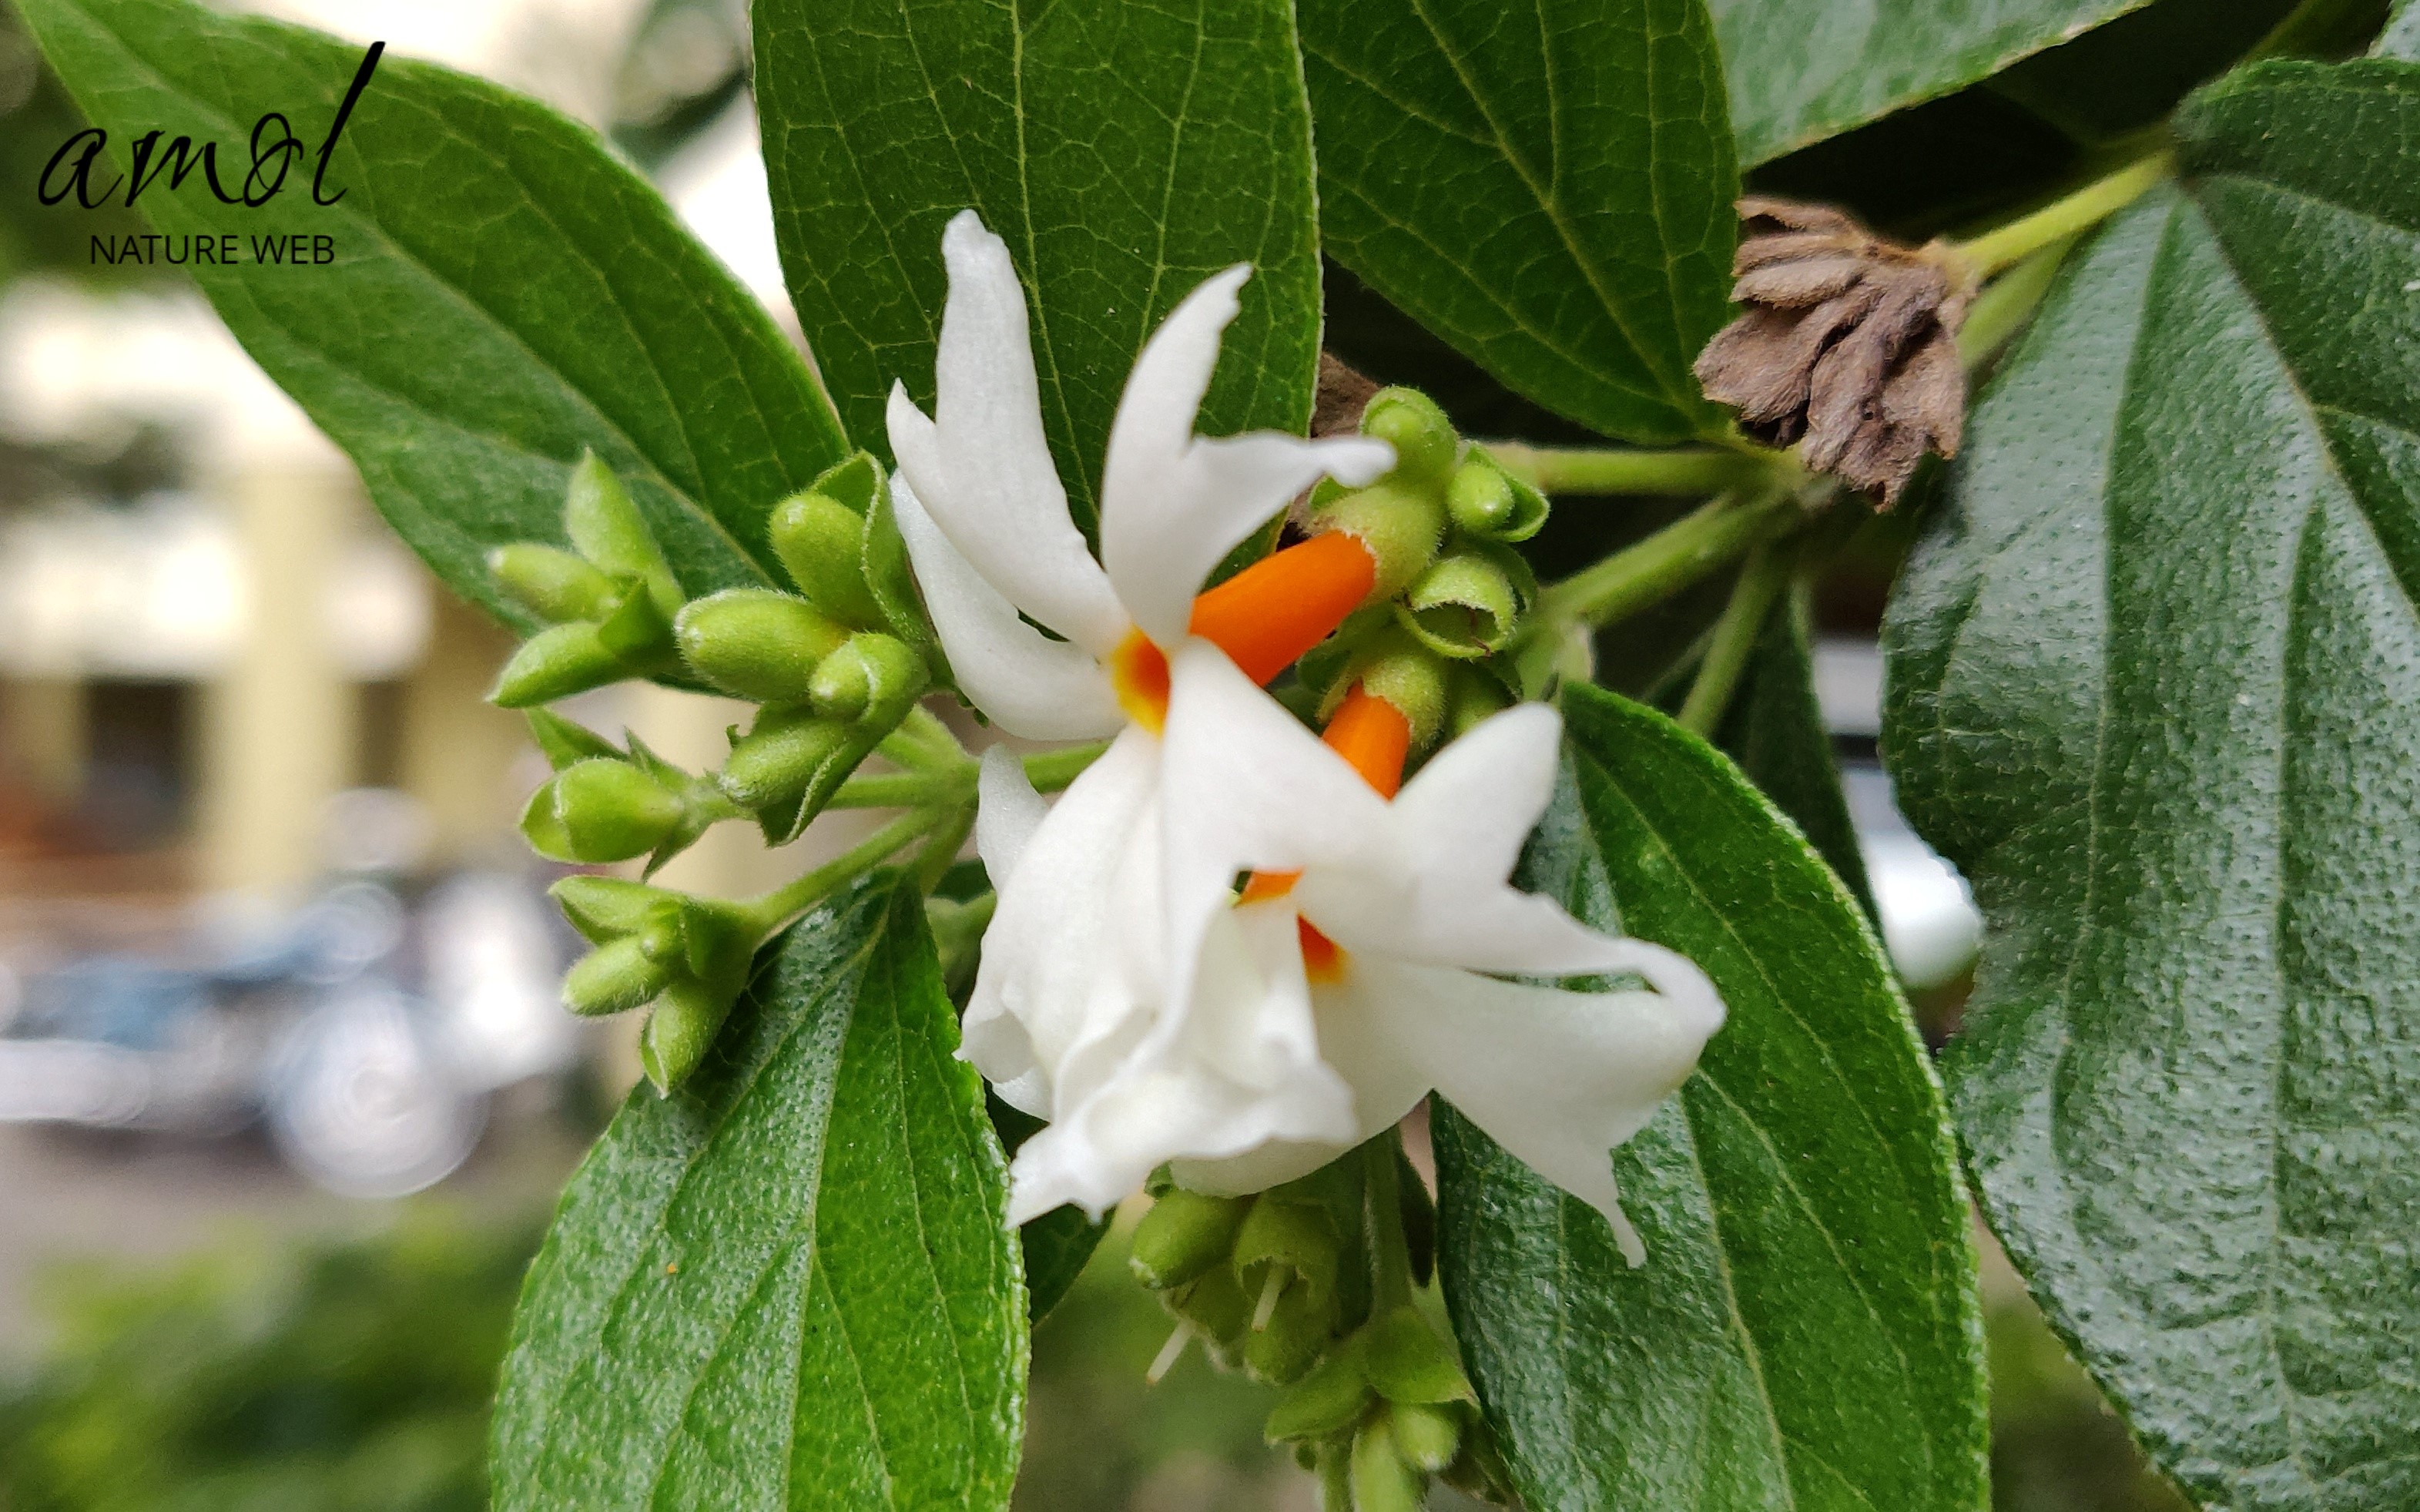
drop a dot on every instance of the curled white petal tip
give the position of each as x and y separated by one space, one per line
1007 812
1355 461
966 224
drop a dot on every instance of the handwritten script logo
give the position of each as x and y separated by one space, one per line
275 149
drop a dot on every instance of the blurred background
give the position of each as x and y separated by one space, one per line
284 1093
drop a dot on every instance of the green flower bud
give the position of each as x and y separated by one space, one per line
1184 1234
551 583
609 810
614 977
607 528
1472 697
821 543
1428 1438
639 631
1463 607
1382 1482
1484 500
1408 676
1400 524
1299 1330
1410 421
757 643
661 936
542 827
777 758
1402 1357
871 680
563 741
607 908
716 942
1299 1239
1217 1309
680 1031
1328 1400
554 663
889 579
855 484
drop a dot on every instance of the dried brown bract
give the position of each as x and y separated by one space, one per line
1344 394
1850 345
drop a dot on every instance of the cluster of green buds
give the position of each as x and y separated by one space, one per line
1386 1411
1308 1286
836 664
608 602
684 957
1450 592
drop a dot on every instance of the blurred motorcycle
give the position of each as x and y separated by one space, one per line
368 1037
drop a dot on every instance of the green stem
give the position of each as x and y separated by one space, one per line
1390 1256
1690 547
767 912
1690 471
2320 28
2063 218
1050 771
906 789
922 740
2008 303
941 850
1734 639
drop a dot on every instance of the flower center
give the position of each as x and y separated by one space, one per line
1139 673
1374 737
1323 960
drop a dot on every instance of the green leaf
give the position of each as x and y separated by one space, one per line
1801 70
1547 187
2401 38
789 1285
2155 688
503 294
1806 1331
1774 730
1124 153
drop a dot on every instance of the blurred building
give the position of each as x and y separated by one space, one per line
189 673
205 632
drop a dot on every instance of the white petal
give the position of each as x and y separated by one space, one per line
1246 788
1476 800
1001 502
1172 504
1059 956
1028 683
1439 917
1244 1073
1357 1043
1433 890
1556 1077
1007 812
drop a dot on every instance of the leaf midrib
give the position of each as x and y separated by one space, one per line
1831 1241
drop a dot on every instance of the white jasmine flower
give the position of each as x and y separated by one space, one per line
986 518
1071 960
1355 962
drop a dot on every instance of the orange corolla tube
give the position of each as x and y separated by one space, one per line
1266 616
